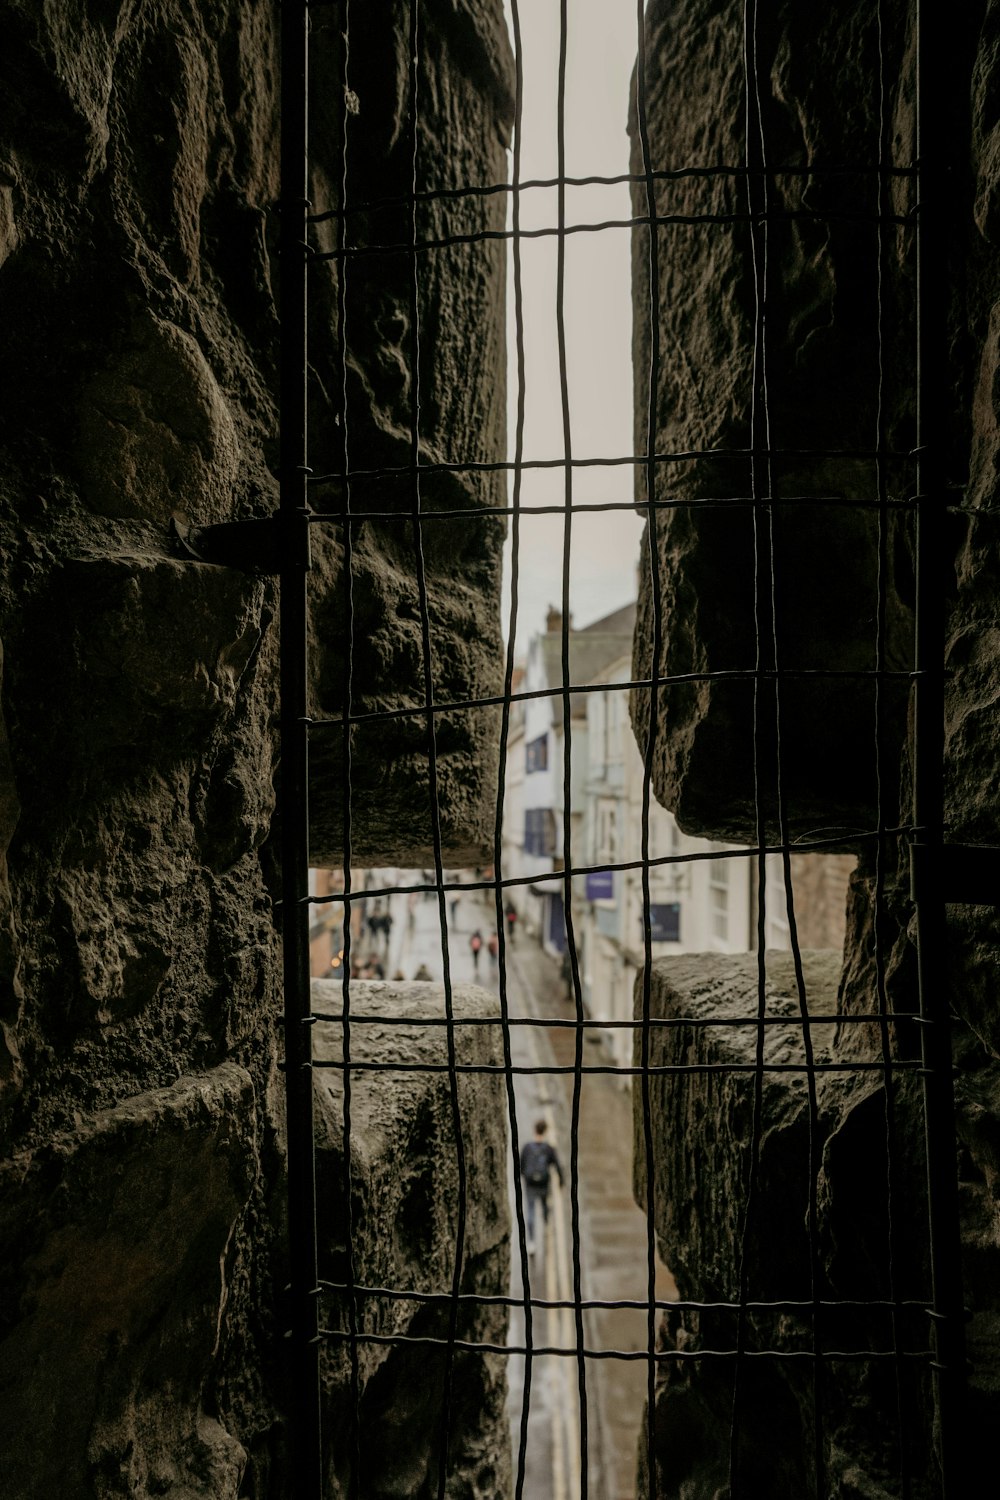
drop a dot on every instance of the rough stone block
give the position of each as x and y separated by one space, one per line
139 167
729 1220
121 1235
798 590
825 286
421 341
406 1207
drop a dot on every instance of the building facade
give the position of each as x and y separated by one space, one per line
697 896
700 895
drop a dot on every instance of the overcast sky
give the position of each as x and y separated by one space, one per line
604 549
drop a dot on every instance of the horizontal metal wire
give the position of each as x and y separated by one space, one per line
624 1304
562 232
641 507
677 679
661 1023
661 1356
801 846
554 1070
676 174
634 460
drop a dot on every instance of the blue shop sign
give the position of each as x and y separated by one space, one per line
601 885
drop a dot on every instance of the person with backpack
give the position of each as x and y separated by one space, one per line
538 1158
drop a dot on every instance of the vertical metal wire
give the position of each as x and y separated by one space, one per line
882 767
755 114
347 583
764 667
432 766
574 1161
652 729
933 405
306 1435
501 925
813 1143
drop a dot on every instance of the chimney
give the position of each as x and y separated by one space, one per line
554 619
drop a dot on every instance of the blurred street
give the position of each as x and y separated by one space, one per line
612 1230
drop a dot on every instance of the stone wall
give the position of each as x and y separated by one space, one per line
819 610
406 1186
141 1204
733 1218
818 100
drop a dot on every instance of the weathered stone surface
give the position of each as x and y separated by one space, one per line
156 434
405 1207
820 353
718 1106
442 345
138 293
725 1220
121 1232
137 158
972 737
822 283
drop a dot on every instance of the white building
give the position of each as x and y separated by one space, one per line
699 893
701 896
537 843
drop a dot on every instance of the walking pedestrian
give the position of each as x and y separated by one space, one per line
511 915
493 948
476 943
538 1158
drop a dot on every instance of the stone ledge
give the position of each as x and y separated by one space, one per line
404 1215
702 1130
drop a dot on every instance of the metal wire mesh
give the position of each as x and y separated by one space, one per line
345 497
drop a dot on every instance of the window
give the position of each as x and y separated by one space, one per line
539 831
718 879
536 754
607 832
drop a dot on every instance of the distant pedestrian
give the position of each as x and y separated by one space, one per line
493 947
476 943
538 1158
454 910
511 915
